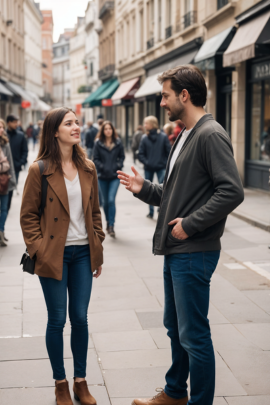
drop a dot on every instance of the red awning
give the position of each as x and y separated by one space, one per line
126 90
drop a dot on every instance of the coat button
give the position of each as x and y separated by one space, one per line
51 199
51 236
55 219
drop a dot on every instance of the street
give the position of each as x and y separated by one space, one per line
129 351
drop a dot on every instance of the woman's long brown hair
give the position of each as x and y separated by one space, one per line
49 148
101 136
3 139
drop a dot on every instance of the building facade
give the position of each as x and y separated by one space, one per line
12 68
61 70
47 55
78 68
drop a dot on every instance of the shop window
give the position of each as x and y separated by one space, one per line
265 139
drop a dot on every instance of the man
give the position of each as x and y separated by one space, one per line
154 150
201 187
19 149
90 135
136 139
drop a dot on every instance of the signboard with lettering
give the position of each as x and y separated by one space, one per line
261 71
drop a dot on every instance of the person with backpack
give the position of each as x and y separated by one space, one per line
7 179
66 242
109 157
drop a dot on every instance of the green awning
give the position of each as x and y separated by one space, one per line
106 90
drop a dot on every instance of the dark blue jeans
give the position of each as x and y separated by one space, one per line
187 286
108 190
149 175
77 281
3 211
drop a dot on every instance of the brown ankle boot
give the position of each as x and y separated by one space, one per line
82 394
160 399
62 394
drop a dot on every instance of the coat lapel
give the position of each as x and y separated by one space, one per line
57 183
86 179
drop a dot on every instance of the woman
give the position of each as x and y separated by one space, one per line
108 157
66 241
168 129
5 148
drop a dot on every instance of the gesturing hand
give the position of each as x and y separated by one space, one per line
132 183
177 231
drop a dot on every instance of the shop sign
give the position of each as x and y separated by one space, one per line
25 104
107 102
78 109
261 70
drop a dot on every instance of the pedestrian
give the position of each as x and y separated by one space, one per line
29 132
153 153
19 127
6 170
201 187
177 130
66 241
168 129
90 135
109 157
19 149
36 133
136 139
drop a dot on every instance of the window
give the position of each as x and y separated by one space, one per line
221 3
168 29
141 30
91 69
159 19
3 54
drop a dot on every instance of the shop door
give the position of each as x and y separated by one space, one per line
224 101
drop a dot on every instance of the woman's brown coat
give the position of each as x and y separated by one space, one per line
45 237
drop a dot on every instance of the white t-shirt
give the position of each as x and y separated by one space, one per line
178 148
77 234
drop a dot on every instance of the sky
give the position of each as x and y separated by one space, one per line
65 13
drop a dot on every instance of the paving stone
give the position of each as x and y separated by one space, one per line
228 337
160 337
10 308
230 241
148 302
10 294
258 334
113 321
135 359
250 254
150 320
249 400
121 291
252 234
226 382
38 373
261 298
117 341
34 324
215 316
11 325
219 401
10 277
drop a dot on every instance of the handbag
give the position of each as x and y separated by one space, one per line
4 175
26 261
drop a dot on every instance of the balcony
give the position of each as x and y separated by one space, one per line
189 19
221 3
107 72
150 43
168 32
105 7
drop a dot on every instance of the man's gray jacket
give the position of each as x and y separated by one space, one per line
203 188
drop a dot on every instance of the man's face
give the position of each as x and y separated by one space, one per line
13 125
171 102
147 125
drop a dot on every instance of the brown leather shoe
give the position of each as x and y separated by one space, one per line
160 399
82 394
62 394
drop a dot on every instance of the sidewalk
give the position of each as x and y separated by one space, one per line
129 351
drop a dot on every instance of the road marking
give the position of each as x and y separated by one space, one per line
258 269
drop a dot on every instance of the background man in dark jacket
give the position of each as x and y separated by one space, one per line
18 146
90 135
201 187
154 150
136 139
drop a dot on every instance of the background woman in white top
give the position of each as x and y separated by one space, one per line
66 241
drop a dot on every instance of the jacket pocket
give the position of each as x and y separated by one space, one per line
171 241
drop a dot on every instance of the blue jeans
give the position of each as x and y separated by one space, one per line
108 190
149 175
187 286
77 281
3 211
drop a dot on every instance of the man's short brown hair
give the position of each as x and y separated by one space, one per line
187 77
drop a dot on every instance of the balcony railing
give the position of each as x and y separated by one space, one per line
105 7
168 32
150 43
107 72
189 19
221 3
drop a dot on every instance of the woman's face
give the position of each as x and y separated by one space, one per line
2 129
69 130
148 125
108 131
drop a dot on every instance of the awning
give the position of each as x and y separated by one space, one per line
250 40
212 48
108 92
126 91
149 87
19 91
4 90
42 106
90 100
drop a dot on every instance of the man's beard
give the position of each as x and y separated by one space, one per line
177 112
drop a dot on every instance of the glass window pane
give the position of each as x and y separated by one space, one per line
265 141
255 147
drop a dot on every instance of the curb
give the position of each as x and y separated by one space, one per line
252 221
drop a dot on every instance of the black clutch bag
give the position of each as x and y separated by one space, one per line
28 264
